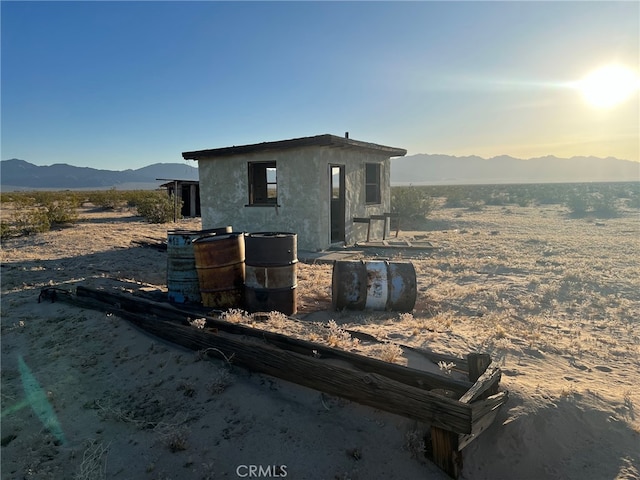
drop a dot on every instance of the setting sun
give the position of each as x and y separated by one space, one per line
609 86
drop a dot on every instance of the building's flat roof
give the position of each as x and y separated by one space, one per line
325 140
172 182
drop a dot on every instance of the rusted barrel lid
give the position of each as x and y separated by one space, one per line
219 250
266 249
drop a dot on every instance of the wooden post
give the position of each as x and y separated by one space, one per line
393 218
193 200
446 456
175 201
478 363
445 444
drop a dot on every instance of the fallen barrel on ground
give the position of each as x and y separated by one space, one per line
271 272
374 285
182 278
220 268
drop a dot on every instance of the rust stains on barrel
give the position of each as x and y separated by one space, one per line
220 267
374 285
271 272
182 278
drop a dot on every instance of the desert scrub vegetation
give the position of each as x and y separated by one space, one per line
37 212
585 203
113 199
107 199
411 204
337 337
159 208
388 352
94 462
27 213
597 199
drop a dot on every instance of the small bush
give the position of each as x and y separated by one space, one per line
582 204
5 230
62 212
455 198
412 204
634 202
337 337
107 199
38 212
159 208
577 204
604 206
136 197
475 206
523 201
28 222
389 352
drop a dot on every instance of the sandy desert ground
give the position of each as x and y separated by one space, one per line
555 300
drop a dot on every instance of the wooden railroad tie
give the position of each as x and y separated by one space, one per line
457 417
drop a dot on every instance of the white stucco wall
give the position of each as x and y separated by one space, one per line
303 180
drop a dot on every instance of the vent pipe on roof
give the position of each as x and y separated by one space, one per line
346 134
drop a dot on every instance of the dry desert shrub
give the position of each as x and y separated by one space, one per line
220 381
161 208
442 321
389 352
236 315
176 441
94 462
446 367
38 212
199 323
107 199
415 325
337 337
277 319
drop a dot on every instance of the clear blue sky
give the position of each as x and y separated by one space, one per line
121 85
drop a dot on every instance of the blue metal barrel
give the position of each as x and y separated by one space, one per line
182 276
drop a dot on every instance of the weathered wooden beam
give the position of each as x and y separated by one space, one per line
410 376
325 375
484 414
487 383
372 382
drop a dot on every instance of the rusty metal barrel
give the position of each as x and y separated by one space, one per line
271 272
374 285
182 278
220 267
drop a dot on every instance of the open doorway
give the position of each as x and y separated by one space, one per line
336 173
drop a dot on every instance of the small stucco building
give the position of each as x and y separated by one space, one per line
324 188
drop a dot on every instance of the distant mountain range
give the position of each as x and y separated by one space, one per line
20 175
418 169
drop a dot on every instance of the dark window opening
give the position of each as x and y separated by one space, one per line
263 186
372 183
